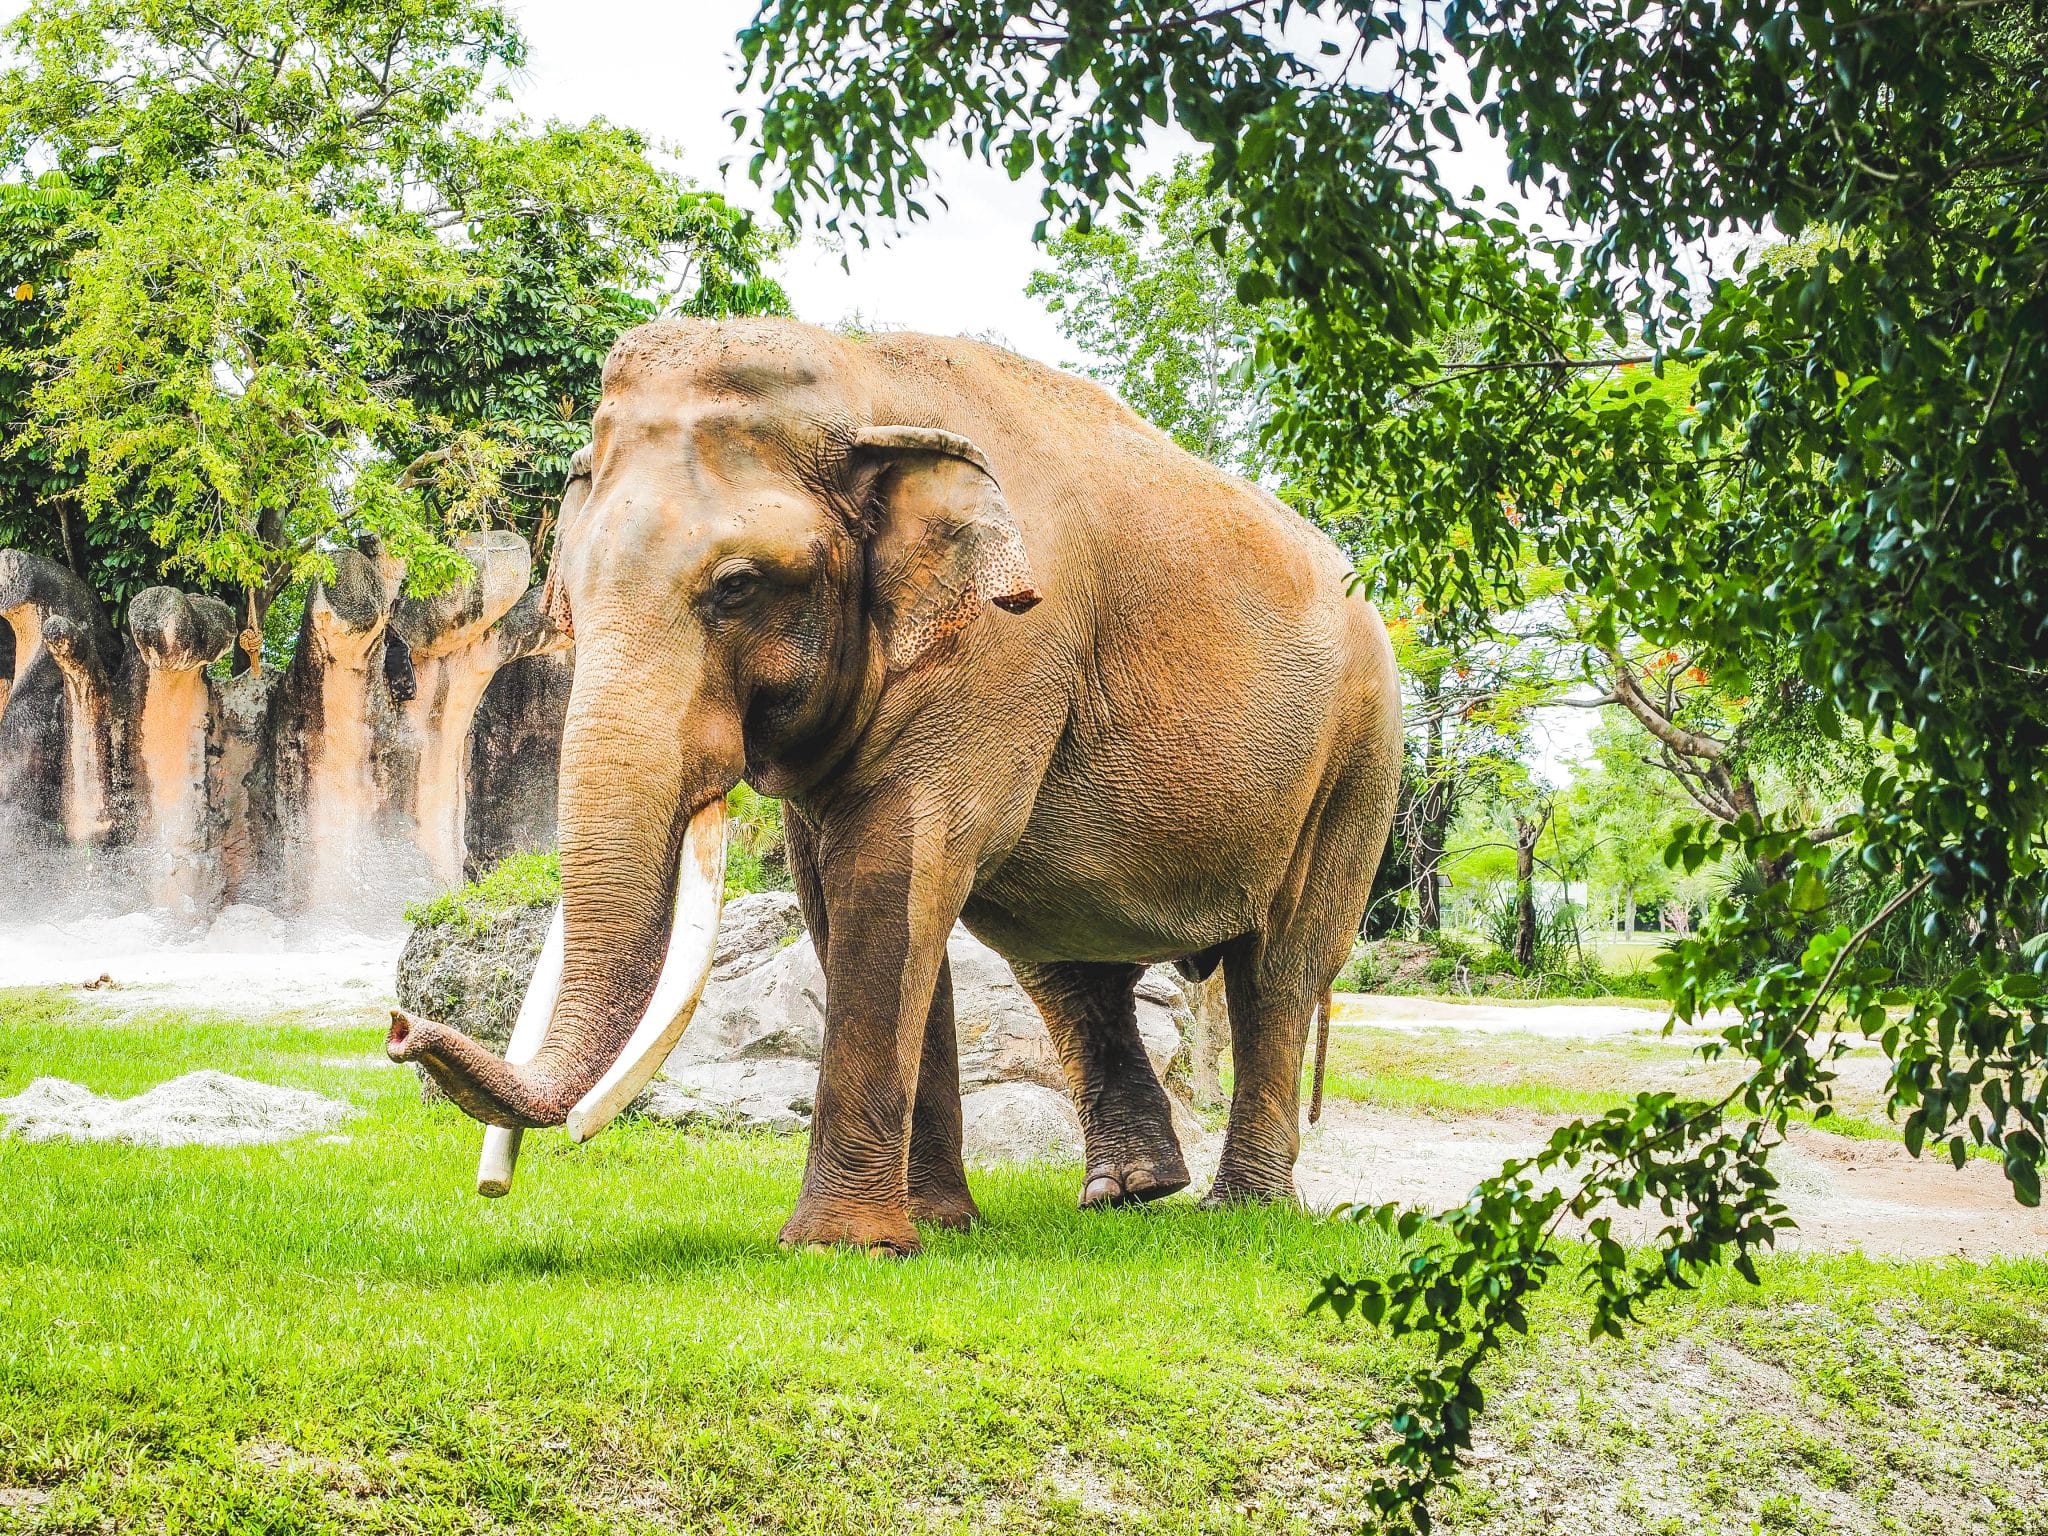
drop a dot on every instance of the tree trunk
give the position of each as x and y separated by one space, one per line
1629 927
1429 911
1212 1034
73 540
1527 830
1433 808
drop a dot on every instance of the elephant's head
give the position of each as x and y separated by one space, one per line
758 549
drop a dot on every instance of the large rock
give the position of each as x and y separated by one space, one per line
1019 1123
472 979
769 1004
753 930
750 1056
771 1094
776 1007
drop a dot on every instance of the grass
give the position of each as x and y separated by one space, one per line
515 883
338 1336
1452 1073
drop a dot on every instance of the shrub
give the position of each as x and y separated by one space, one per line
1366 971
754 861
518 881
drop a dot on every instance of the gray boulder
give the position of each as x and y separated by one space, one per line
754 930
750 1056
771 1005
776 1007
1019 1123
472 979
769 1094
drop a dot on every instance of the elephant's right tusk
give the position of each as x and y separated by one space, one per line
685 967
536 1009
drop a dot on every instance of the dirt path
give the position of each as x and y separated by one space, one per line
1489 1016
1845 1193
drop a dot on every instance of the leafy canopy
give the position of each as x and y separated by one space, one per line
1857 482
287 274
1150 297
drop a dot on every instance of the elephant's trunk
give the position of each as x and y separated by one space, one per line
641 892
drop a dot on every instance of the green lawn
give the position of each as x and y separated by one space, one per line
339 1336
1448 1072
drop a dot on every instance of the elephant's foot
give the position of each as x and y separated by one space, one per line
1134 1169
1247 1186
938 1183
1130 1184
880 1229
953 1210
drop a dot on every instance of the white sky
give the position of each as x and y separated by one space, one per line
671 70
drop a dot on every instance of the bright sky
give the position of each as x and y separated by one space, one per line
672 70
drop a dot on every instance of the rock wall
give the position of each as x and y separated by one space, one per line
514 750
130 770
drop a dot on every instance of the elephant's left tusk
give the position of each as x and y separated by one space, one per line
536 1009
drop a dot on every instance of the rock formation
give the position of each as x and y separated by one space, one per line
749 1059
125 757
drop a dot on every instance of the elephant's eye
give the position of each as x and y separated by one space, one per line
735 587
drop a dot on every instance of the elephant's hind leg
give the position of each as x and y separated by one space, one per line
1275 981
1271 1006
1126 1122
938 1177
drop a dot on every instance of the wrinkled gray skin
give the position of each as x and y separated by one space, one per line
818 564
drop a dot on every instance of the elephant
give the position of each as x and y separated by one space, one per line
1010 656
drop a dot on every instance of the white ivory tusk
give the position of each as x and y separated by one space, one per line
501 1143
692 942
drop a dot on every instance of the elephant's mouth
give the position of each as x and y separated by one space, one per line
542 1081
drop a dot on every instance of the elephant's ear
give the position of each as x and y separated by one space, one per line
940 539
554 599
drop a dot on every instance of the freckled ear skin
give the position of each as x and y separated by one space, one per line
554 597
941 541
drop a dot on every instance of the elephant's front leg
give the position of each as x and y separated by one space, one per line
938 1176
890 904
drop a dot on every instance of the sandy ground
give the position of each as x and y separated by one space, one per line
1844 1193
248 962
1553 1021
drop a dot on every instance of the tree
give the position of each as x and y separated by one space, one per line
285 284
1469 699
1622 808
1152 296
1862 487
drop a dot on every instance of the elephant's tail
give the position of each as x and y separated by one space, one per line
1315 1098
